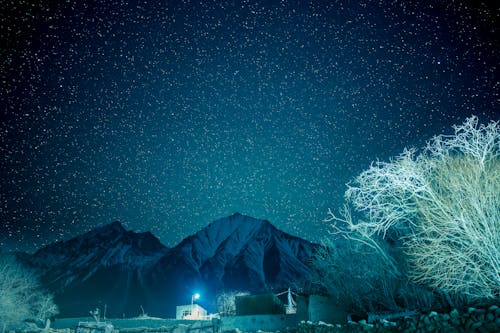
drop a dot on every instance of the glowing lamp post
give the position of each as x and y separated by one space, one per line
194 297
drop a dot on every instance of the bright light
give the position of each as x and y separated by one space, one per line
196 296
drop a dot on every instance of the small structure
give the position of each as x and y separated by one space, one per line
268 304
190 312
94 327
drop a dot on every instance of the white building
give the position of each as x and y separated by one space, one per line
190 312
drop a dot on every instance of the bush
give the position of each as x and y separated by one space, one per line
356 276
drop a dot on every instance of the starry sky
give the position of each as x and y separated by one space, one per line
166 115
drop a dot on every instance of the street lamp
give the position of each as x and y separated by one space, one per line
194 297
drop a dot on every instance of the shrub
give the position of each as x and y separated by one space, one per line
356 276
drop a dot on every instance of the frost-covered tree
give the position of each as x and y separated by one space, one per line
21 297
444 204
45 307
226 302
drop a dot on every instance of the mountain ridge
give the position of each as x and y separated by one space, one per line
110 265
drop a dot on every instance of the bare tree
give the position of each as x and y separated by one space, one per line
45 307
20 295
444 203
226 302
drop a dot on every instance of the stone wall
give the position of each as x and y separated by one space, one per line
252 323
469 320
130 322
263 304
325 309
143 325
268 323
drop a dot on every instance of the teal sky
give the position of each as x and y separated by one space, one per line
169 115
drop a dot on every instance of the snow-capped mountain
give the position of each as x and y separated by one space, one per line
125 270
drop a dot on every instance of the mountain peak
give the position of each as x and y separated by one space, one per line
115 226
238 218
237 225
232 236
239 252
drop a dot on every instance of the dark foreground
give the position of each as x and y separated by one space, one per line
470 320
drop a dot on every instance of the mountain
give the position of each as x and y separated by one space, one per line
107 246
240 252
104 266
125 270
233 253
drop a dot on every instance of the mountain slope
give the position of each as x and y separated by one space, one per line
104 266
80 257
234 253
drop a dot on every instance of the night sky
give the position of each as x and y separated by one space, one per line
166 115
